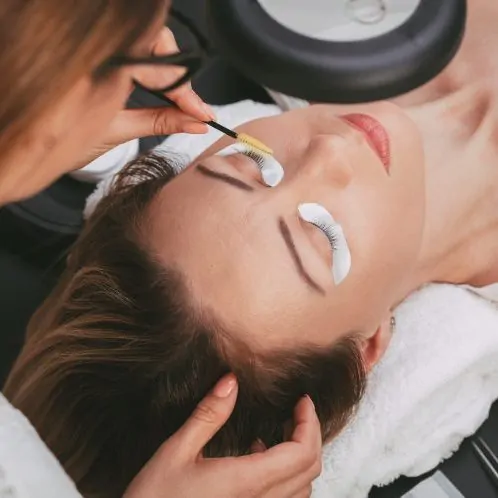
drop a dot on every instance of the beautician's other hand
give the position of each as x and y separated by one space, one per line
136 123
284 471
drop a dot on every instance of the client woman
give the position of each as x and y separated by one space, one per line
287 277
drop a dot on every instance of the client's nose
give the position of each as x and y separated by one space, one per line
328 159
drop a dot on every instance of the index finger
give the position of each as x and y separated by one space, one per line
159 76
183 96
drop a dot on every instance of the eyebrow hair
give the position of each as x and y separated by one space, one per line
224 178
289 242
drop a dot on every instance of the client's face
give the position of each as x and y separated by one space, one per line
324 253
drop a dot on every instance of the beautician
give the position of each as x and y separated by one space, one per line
67 70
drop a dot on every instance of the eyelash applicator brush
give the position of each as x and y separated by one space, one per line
242 137
239 137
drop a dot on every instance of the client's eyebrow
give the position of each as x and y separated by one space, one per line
235 182
289 242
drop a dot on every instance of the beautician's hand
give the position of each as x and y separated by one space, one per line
178 469
136 123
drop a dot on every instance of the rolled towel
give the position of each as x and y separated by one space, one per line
108 164
433 388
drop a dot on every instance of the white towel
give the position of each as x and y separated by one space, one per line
27 468
433 388
108 164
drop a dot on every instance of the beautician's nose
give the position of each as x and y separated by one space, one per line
328 160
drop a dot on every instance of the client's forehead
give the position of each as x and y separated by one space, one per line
189 213
230 255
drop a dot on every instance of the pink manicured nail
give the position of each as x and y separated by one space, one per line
225 386
311 401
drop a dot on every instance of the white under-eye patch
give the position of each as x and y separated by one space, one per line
318 216
272 171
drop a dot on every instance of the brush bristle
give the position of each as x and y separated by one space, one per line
254 143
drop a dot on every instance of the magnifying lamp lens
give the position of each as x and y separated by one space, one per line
340 51
366 11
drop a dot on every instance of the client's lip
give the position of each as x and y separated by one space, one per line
375 134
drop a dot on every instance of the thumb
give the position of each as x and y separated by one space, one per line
137 123
208 418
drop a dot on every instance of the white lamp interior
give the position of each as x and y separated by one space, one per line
341 20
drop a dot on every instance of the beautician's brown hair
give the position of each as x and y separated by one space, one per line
48 45
119 355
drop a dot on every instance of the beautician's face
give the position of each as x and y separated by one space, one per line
75 126
267 274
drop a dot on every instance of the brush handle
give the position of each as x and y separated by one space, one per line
172 103
222 128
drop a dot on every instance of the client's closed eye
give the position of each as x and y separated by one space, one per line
319 217
271 170
222 177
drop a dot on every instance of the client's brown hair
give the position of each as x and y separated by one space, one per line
118 357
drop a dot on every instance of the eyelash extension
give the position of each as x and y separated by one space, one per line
329 232
271 170
318 216
256 157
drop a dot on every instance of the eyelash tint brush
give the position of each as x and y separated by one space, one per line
244 138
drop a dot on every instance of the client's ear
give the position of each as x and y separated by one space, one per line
374 347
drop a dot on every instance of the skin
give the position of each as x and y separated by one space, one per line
53 148
459 133
433 219
239 267
101 124
85 123
179 469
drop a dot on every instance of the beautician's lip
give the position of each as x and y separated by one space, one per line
375 133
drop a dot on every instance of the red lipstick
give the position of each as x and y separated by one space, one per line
375 134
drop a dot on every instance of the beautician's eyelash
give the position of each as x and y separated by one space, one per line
329 232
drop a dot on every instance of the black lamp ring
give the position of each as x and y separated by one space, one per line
343 72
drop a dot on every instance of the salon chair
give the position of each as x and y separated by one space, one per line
36 234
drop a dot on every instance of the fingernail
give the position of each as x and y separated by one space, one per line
225 386
311 401
195 127
207 109
258 446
